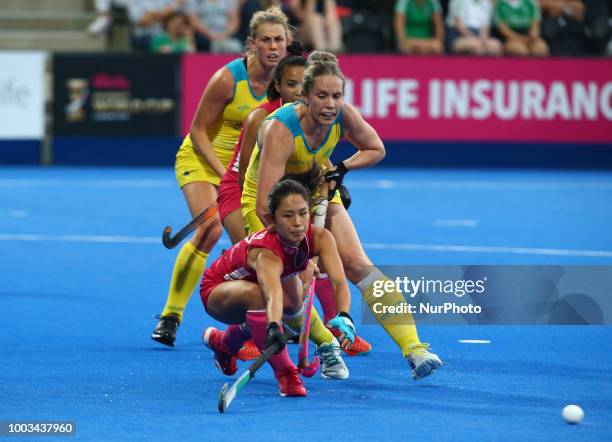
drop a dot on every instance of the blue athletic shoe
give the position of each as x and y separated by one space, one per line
332 364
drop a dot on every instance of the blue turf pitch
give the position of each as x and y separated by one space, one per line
84 273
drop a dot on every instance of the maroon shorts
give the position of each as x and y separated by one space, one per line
206 287
229 194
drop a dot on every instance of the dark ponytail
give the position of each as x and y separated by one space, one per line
305 184
309 179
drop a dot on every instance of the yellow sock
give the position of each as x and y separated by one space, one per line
319 334
188 268
400 327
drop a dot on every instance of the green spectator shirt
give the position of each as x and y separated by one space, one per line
180 46
418 16
517 14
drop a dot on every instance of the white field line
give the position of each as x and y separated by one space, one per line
357 184
456 223
451 248
445 248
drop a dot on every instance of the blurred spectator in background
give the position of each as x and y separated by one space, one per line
247 8
367 25
518 23
215 23
104 19
293 9
563 26
316 21
177 37
469 23
563 8
599 16
418 26
321 25
598 25
147 17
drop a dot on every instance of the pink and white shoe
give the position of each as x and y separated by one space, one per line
223 360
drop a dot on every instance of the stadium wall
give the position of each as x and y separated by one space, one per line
127 109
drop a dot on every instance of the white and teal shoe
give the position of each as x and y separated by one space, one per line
332 365
422 362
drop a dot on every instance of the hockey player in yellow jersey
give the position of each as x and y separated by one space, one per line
288 141
229 96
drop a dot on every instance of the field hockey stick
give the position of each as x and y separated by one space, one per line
172 242
227 394
307 369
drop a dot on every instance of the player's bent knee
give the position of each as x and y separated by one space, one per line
356 267
206 236
292 305
256 299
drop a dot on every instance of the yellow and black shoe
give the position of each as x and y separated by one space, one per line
165 330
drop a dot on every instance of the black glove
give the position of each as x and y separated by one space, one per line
275 335
345 196
336 175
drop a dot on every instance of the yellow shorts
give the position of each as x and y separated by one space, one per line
190 166
252 223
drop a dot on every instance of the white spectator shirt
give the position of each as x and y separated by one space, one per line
476 14
138 8
213 13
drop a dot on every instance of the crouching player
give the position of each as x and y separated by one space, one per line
254 285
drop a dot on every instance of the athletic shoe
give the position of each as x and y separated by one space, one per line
332 365
249 351
165 330
422 362
360 347
290 383
223 360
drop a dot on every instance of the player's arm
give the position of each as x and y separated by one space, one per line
363 136
250 127
269 268
277 145
218 93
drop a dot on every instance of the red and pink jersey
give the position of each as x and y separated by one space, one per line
233 265
231 174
